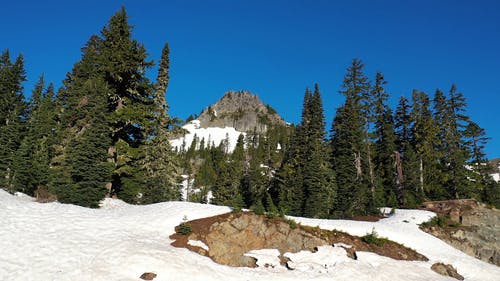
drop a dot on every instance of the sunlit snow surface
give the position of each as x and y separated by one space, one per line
212 136
120 242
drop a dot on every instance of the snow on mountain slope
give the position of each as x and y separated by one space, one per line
212 135
120 242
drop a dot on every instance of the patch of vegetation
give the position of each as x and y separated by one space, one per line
435 221
292 223
184 228
373 238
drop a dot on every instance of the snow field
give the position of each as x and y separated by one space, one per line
120 242
213 135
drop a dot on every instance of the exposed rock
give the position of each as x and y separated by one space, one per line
479 230
148 276
241 110
446 270
230 240
230 236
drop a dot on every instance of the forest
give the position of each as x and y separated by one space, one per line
106 132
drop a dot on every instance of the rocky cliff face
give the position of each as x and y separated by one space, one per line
241 110
477 235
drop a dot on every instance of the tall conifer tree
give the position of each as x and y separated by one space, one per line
12 114
349 157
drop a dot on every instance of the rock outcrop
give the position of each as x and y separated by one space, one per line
476 231
148 276
230 236
446 270
241 110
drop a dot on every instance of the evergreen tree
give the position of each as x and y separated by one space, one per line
388 188
86 162
32 160
319 188
425 141
160 163
407 164
450 119
13 110
131 101
349 158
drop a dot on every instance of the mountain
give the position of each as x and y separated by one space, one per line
236 113
242 111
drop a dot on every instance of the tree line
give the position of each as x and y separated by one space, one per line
106 132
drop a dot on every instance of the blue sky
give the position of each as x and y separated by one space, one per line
277 48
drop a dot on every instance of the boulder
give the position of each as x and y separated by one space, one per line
148 276
446 270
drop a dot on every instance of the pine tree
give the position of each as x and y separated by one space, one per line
13 110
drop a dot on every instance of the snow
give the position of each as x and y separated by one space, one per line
198 243
496 177
266 257
212 135
119 241
325 259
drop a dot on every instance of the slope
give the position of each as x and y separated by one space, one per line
55 241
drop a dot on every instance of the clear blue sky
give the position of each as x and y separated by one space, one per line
277 48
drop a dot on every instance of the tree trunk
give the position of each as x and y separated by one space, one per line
421 174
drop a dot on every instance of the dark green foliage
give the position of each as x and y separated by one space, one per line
86 165
349 154
435 221
114 124
425 141
32 160
305 181
258 208
292 223
160 164
13 110
406 160
184 228
389 190
373 239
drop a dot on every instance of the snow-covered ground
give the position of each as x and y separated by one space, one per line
212 136
120 242
496 177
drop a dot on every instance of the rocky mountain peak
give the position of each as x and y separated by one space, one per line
241 110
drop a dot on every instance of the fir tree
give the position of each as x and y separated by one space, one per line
32 160
318 183
388 188
348 151
160 163
123 63
87 167
407 164
13 110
